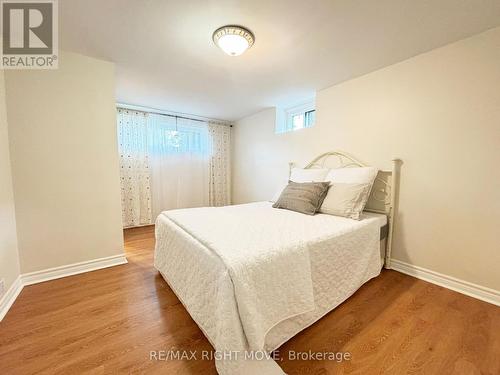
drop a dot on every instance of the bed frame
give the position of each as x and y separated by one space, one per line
383 197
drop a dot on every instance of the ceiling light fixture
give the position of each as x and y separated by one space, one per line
233 40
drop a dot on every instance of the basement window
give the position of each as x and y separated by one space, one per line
298 117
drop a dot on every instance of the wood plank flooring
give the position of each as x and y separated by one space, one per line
108 321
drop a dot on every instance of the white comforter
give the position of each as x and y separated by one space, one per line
242 270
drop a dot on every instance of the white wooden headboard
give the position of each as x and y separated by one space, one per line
384 196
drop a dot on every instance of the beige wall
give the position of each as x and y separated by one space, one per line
440 113
62 132
9 257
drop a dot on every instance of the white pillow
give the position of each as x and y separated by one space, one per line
345 200
361 175
345 197
308 175
303 175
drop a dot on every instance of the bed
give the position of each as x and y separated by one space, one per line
252 276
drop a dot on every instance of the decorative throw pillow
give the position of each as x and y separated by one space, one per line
303 175
305 197
347 200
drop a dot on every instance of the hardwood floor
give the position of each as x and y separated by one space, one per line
108 321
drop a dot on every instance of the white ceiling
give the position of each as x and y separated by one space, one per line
165 57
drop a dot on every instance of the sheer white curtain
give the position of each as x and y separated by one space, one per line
169 163
134 168
179 172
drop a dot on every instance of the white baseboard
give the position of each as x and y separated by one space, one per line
472 290
10 296
72 269
55 273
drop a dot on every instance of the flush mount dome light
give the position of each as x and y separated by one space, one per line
233 40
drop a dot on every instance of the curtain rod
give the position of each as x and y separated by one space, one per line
155 112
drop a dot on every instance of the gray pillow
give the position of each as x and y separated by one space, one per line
305 197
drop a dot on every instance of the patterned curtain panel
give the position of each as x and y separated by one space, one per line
219 165
134 168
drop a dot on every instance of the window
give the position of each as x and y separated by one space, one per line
169 162
303 120
171 136
297 117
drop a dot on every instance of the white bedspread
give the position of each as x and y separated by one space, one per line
242 270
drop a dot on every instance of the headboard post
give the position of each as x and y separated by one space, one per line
396 166
290 166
